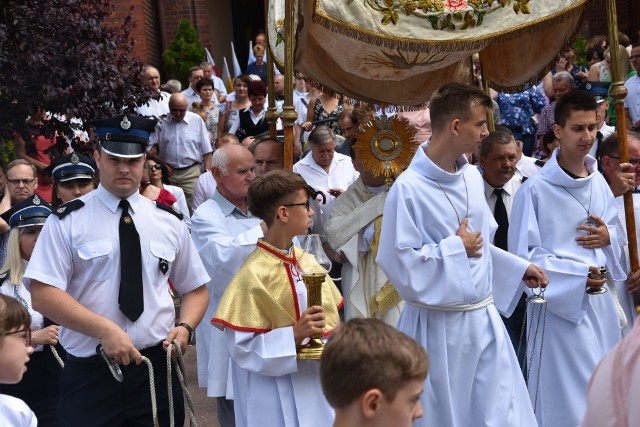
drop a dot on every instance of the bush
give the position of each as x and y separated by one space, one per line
185 51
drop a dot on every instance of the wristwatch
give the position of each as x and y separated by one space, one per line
188 328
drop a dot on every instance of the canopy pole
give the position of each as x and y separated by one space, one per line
288 114
272 112
618 92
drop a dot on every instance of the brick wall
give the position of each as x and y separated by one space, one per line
143 43
595 22
193 10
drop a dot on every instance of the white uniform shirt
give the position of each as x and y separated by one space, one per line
526 167
205 189
183 143
15 413
181 203
192 97
632 101
155 108
509 193
80 254
341 175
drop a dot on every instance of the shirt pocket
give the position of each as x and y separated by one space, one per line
162 257
94 259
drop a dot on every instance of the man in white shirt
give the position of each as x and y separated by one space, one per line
435 249
195 74
158 105
632 101
225 233
182 142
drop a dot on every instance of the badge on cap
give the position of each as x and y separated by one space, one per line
74 158
36 200
125 124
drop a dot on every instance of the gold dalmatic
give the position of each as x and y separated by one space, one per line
262 296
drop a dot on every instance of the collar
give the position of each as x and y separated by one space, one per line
187 118
424 166
112 202
308 161
289 257
556 175
229 208
508 188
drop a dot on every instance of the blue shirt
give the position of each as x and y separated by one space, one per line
518 109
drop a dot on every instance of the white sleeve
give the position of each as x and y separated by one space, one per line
52 258
271 354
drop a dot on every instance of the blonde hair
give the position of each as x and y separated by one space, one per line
14 263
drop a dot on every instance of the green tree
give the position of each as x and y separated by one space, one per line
185 51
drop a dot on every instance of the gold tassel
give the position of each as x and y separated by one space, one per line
384 300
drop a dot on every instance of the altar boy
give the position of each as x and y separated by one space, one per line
563 219
265 316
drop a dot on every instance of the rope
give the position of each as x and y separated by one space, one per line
56 355
152 387
180 369
462 307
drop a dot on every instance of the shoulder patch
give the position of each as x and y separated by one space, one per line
66 208
170 210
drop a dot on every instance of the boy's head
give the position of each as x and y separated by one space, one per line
273 194
370 371
455 101
576 123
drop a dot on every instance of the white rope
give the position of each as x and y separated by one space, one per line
152 387
622 317
179 366
56 355
462 307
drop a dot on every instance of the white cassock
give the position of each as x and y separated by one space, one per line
271 387
351 230
579 329
626 300
474 377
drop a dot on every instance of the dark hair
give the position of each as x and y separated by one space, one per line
495 137
547 139
610 146
13 315
194 68
204 82
163 169
271 190
366 354
243 78
573 101
257 88
455 100
595 51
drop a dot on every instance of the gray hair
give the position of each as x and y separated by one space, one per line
206 64
564 75
175 85
220 159
321 135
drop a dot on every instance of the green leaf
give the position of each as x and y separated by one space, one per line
457 16
395 17
516 8
386 19
524 8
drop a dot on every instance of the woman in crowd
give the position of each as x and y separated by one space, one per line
258 67
206 107
240 102
549 143
154 187
15 348
567 62
74 175
252 120
325 107
39 386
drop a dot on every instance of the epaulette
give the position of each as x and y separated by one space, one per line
66 208
172 211
4 276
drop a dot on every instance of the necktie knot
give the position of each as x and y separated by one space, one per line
124 205
498 191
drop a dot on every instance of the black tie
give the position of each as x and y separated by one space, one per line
500 214
130 296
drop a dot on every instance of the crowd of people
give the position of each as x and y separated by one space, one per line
501 254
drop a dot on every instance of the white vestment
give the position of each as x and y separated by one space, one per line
579 329
224 239
350 229
474 379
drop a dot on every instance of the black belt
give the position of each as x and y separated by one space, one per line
188 167
98 360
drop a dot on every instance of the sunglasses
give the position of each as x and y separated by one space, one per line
157 166
26 337
178 110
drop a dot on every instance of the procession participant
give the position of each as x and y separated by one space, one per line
564 219
73 176
107 286
225 232
15 348
373 375
265 316
353 229
39 385
435 249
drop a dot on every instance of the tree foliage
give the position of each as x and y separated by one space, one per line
61 55
185 51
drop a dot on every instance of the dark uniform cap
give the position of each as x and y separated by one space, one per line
599 90
32 211
72 166
125 135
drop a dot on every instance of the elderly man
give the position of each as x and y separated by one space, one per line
218 84
195 74
498 160
225 233
563 83
623 177
158 105
182 142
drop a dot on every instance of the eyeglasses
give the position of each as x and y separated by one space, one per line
21 181
177 110
26 337
305 204
634 162
157 166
